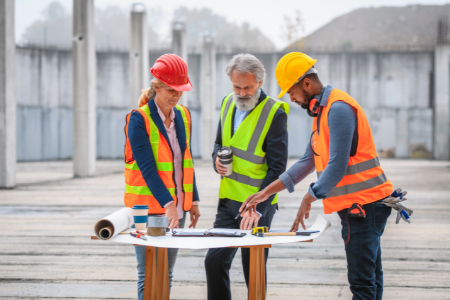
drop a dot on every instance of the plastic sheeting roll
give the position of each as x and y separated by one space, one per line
115 223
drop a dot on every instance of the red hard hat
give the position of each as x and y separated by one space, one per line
172 70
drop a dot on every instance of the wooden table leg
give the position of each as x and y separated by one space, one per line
150 274
156 286
257 280
162 275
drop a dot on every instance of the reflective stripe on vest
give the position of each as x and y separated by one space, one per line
249 161
358 187
364 180
360 167
188 164
136 190
143 190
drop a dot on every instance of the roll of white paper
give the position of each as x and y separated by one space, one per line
114 224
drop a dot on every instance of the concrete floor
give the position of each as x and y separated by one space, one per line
46 252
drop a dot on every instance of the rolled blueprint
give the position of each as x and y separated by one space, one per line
115 223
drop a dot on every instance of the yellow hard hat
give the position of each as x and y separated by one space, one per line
291 68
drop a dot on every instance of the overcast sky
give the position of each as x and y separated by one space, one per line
267 15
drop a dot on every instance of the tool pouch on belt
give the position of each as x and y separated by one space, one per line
356 211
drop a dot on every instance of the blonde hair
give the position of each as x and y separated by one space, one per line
150 92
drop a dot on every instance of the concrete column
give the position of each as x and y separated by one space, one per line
179 47
7 95
441 101
442 92
208 81
139 68
84 89
273 89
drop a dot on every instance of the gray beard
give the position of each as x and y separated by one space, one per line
246 103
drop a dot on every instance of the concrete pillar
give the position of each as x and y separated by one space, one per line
84 89
139 68
179 47
208 81
273 88
7 95
402 140
442 92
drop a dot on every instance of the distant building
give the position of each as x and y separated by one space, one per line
408 28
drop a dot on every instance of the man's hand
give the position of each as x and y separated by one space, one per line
250 204
172 214
249 220
219 167
195 214
303 212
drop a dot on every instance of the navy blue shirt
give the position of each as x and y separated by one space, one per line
143 153
275 145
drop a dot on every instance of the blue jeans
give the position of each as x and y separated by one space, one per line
141 255
363 250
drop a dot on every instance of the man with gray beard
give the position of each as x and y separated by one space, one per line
246 103
254 127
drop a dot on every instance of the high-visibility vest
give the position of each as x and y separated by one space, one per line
136 190
249 159
364 181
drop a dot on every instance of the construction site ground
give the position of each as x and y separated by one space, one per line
47 220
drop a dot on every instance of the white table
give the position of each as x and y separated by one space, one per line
156 269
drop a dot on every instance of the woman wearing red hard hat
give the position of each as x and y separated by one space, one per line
159 171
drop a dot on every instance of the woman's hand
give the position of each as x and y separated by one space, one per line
195 214
172 214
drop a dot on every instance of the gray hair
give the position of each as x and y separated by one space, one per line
246 63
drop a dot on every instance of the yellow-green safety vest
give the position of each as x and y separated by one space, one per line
249 159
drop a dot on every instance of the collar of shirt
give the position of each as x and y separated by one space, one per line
163 118
239 117
326 95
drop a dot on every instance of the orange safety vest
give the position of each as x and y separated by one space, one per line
136 189
364 181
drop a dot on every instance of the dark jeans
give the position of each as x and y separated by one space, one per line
363 250
218 260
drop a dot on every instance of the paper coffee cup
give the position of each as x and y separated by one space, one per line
226 158
140 213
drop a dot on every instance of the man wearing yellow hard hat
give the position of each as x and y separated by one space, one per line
350 179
